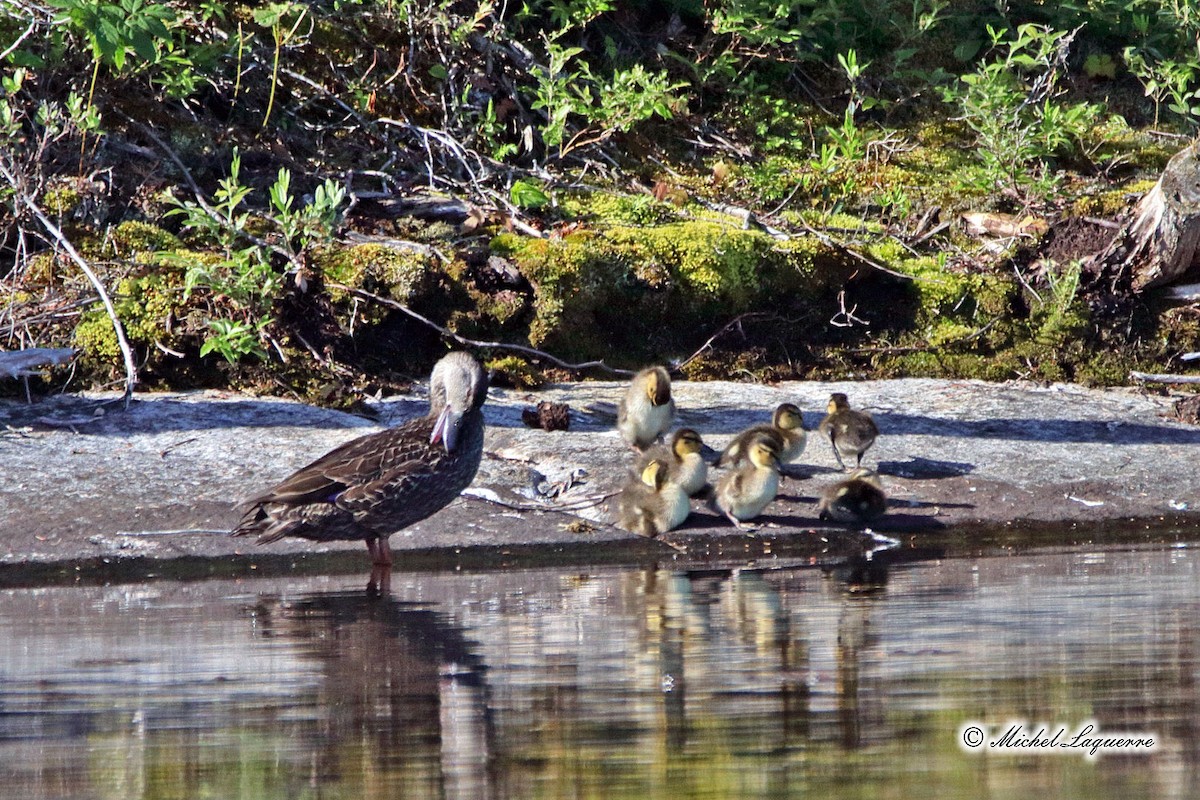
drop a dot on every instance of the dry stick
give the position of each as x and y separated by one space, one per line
829 241
735 322
200 201
449 334
1164 378
12 47
56 232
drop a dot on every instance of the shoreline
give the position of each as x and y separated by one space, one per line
962 461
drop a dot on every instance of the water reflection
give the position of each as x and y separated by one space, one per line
850 681
401 685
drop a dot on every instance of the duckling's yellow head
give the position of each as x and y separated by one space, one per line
788 418
654 474
686 441
866 476
838 402
764 453
658 386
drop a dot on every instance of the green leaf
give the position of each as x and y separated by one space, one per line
967 50
527 195
24 58
439 72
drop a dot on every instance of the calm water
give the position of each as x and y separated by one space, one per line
612 682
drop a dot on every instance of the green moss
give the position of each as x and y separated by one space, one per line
45 269
146 305
133 238
640 291
1111 203
95 337
399 273
938 364
608 208
704 259
63 196
515 371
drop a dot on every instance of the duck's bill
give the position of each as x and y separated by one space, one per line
445 429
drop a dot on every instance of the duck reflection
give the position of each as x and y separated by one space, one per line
718 637
404 692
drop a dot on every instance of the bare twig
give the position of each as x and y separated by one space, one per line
829 241
449 334
56 232
736 322
203 204
12 47
1164 378
845 318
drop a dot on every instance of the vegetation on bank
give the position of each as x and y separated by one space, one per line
746 189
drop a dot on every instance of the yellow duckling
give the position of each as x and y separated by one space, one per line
647 409
787 428
858 498
850 432
649 504
686 467
743 493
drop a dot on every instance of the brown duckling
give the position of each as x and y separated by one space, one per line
686 467
649 504
743 493
850 432
647 409
787 427
858 498
373 486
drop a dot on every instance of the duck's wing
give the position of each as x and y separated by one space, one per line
357 464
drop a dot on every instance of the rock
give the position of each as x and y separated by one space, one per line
160 480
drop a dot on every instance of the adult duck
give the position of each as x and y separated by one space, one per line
375 485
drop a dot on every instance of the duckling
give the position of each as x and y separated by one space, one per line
743 493
850 432
787 427
858 498
647 409
686 467
649 504
374 485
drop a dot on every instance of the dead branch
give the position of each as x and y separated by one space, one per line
845 318
736 322
1163 377
842 247
203 204
57 234
449 334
